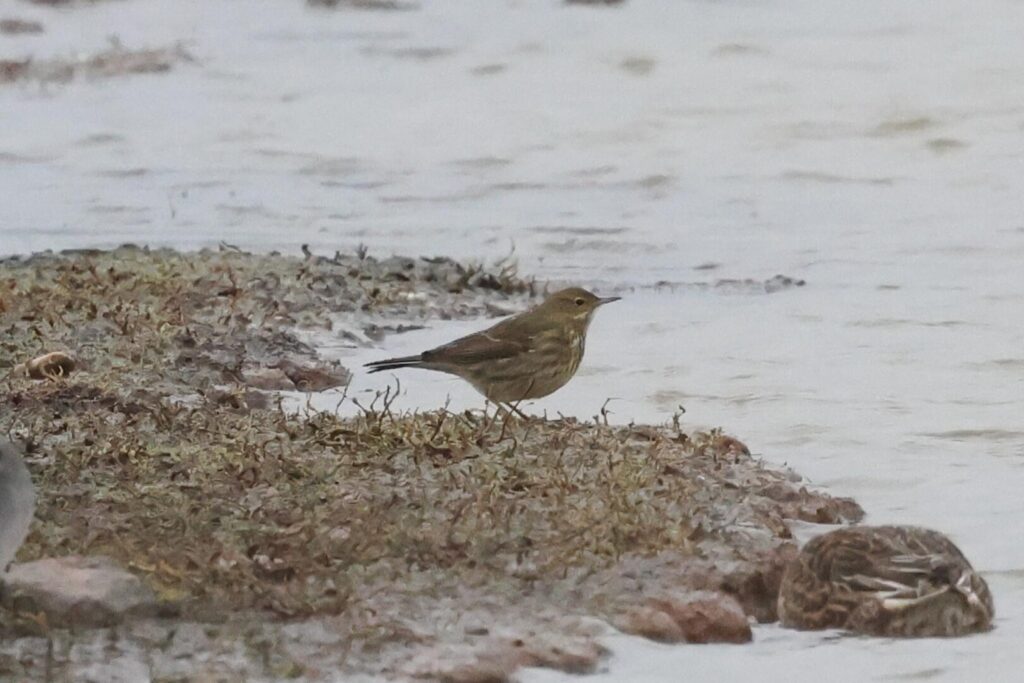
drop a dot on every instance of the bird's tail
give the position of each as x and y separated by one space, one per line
394 363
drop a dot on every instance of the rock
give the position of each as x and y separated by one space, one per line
19 26
651 623
244 400
13 69
365 5
316 375
781 282
705 617
78 591
268 379
114 665
496 658
583 626
750 570
301 375
725 444
811 507
477 671
752 576
459 664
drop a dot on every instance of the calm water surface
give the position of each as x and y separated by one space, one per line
874 149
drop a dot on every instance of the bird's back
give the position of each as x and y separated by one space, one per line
520 358
886 580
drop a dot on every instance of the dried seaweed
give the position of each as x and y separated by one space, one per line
158 453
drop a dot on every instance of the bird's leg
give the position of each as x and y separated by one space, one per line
509 410
508 418
504 426
490 421
515 408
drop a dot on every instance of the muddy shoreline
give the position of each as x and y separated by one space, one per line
283 544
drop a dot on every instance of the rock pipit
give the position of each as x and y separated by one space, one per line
17 502
524 357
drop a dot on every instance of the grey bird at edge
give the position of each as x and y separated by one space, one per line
17 502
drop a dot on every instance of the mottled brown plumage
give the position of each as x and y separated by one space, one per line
886 581
524 357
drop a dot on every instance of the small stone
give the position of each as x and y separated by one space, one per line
706 617
18 26
460 664
752 575
726 444
581 625
77 591
314 377
93 661
651 623
12 70
494 659
556 651
479 671
781 282
268 379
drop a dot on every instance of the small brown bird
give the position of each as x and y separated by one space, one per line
527 356
900 581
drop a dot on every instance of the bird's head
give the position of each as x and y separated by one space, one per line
575 304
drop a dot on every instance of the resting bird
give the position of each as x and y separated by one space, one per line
885 581
524 357
17 502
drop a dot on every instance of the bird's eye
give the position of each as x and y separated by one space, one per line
580 302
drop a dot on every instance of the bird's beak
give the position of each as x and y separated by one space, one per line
607 300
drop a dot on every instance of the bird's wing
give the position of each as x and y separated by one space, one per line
894 563
481 346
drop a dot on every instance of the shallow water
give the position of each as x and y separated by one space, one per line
873 149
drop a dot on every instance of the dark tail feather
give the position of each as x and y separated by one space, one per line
394 363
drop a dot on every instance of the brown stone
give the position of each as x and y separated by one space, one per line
17 26
723 443
809 506
651 623
753 579
11 70
268 379
318 376
477 671
495 659
706 617
455 663
555 651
